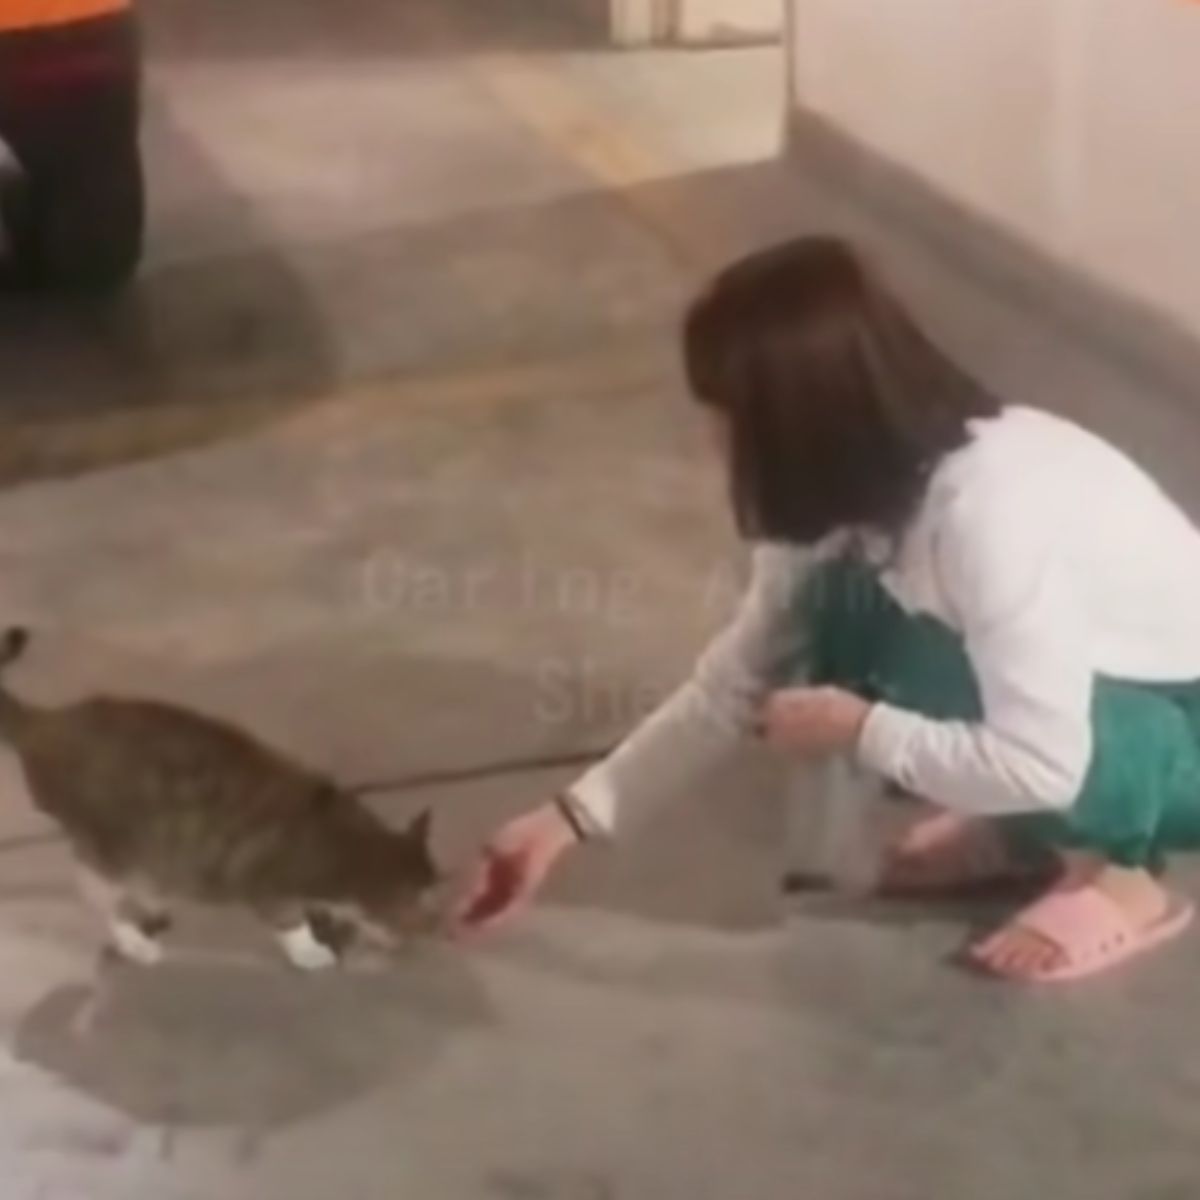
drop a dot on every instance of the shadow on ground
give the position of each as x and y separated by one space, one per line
190 350
252 1048
212 348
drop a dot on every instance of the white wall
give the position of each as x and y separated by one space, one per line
638 22
1073 122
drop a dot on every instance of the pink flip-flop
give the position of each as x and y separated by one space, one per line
1093 933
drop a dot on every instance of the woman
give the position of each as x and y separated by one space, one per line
986 605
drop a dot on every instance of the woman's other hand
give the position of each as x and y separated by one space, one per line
814 721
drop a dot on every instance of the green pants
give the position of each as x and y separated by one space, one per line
1141 795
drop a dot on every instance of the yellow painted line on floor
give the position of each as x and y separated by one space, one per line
35 450
539 95
601 371
534 89
535 92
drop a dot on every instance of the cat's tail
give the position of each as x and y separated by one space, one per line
13 714
12 645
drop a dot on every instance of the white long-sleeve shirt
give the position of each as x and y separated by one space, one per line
1052 554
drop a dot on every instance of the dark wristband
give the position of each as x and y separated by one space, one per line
566 810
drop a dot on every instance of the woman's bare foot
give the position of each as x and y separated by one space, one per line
1017 952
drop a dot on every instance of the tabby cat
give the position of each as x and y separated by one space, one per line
160 803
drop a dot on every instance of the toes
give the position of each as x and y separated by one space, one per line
1017 953
987 948
1027 956
1004 953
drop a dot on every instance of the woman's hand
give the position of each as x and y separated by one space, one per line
512 868
814 721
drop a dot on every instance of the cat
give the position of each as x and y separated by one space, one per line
161 804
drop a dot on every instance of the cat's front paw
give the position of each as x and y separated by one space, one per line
305 951
135 945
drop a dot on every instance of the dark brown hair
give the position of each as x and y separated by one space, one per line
838 406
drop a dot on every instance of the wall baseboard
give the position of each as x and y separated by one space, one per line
1123 329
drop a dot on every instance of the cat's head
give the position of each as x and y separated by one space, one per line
398 897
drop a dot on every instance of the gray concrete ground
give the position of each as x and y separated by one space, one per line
389 459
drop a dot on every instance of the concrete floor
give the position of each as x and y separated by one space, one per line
389 459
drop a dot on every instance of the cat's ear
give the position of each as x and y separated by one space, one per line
420 828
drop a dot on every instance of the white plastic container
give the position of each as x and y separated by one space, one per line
833 837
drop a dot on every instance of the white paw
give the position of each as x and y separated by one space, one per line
135 945
305 952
